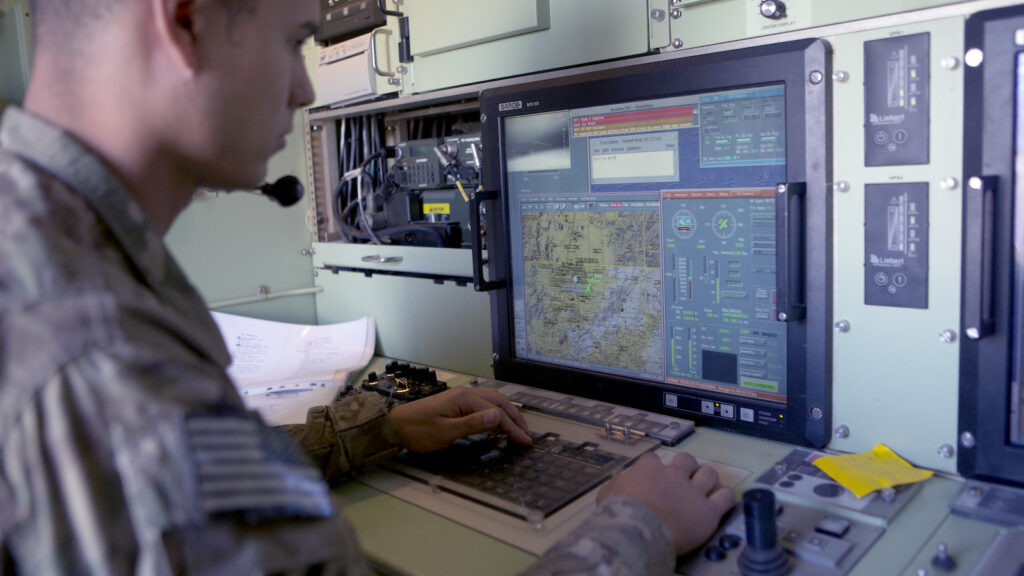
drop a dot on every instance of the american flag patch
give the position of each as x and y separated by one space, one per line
249 468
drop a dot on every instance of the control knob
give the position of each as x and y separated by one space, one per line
773 9
762 556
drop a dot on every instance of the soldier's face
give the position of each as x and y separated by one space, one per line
256 81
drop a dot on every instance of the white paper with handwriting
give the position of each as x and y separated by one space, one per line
281 369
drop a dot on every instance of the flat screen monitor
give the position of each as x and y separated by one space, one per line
991 429
664 237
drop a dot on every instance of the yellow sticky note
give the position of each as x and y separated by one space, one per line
872 470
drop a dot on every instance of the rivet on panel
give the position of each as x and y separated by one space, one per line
948 183
841 186
840 76
677 43
816 77
949 62
967 440
842 431
974 57
947 336
945 451
842 326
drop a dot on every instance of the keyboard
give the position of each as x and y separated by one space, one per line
530 482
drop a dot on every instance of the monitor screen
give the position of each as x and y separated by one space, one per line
656 234
643 239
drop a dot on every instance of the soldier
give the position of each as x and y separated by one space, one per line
124 447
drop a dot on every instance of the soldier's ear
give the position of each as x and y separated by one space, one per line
176 28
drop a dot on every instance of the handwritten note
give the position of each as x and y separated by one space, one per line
282 369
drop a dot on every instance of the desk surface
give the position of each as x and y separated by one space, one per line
402 538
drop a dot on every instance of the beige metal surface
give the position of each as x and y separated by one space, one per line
894 381
442 325
15 50
579 32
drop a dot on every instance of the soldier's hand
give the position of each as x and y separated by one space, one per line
436 421
684 495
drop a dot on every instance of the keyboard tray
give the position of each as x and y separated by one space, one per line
530 482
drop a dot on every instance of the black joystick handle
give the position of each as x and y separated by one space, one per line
762 556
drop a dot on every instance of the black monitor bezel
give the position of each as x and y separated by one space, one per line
986 364
804 67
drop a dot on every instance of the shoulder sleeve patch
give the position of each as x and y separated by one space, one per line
246 467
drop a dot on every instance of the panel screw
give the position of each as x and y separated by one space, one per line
495 357
401 69
305 252
946 451
817 413
816 77
677 43
974 57
840 76
483 117
948 183
780 189
657 15
967 440
974 183
842 431
676 13
973 333
888 494
947 336
842 326
841 186
949 62
782 317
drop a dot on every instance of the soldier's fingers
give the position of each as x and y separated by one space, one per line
478 403
705 479
723 499
685 463
500 400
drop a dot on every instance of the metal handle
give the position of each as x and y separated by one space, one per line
479 284
373 52
384 10
789 251
979 241
378 259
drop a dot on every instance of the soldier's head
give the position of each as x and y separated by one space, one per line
216 81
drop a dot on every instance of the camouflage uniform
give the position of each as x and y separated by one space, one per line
124 446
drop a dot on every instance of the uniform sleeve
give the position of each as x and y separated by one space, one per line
353 433
102 473
623 537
